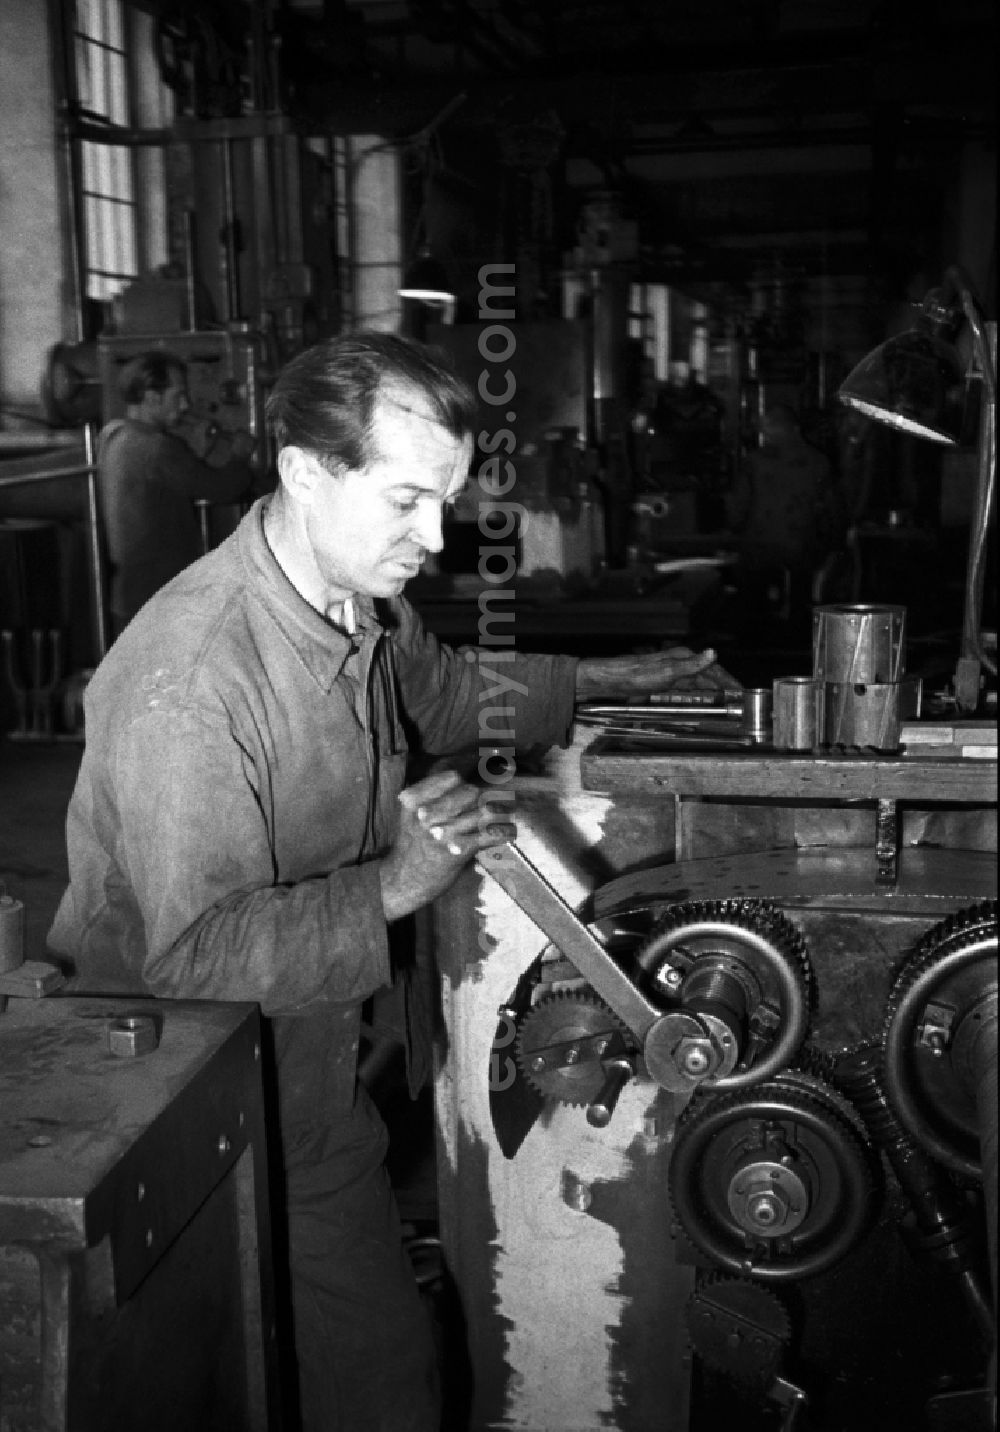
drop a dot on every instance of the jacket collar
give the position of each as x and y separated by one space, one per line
322 647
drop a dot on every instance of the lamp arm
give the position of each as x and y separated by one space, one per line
984 349
961 285
985 497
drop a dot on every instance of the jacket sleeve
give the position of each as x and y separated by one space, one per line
474 696
202 870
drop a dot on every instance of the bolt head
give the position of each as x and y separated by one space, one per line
764 1210
132 1035
695 1057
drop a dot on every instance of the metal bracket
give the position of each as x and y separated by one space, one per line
886 843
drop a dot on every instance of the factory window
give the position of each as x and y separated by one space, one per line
121 187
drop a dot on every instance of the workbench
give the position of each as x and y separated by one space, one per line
624 768
136 1289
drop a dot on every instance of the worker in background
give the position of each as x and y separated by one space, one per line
149 479
786 509
242 828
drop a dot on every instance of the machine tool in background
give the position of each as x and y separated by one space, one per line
227 373
225 381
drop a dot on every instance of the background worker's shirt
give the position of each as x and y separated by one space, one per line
148 482
241 771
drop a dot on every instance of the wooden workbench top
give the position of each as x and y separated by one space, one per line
613 765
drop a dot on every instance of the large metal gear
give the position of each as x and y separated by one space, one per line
777 1181
738 1328
940 1039
565 1043
736 984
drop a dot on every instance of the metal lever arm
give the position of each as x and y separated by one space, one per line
528 888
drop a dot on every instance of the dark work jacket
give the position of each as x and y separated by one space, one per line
240 778
148 481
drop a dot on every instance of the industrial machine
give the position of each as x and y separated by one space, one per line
737 1112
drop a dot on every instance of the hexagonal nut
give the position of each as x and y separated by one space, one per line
701 1045
770 1197
132 1034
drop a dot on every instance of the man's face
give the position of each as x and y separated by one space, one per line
370 529
170 405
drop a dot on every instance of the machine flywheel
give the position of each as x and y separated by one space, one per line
776 1181
940 1039
736 986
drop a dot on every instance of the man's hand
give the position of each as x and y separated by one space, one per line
443 822
676 669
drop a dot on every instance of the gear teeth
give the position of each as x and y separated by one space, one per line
942 1122
807 1092
550 1021
815 1061
762 917
749 1291
745 1302
961 928
825 1090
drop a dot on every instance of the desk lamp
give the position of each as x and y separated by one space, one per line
426 280
916 382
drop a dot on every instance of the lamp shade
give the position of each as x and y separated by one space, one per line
913 382
426 279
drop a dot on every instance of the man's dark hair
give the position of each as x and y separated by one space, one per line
324 399
150 372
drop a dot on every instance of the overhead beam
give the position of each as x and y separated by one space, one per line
396 107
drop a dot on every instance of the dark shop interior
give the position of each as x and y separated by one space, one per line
498 716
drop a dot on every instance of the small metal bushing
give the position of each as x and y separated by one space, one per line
767 1199
131 1035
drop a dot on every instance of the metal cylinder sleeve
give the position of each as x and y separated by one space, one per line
778 1181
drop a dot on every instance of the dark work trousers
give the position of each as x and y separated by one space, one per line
363 1336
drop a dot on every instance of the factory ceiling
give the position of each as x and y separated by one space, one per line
823 132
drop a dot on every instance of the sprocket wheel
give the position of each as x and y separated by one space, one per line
941 1015
562 1041
738 1328
777 1181
745 963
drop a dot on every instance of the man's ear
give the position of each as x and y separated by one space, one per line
301 474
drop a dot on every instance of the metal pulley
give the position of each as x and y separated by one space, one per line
777 1181
940 1040
735 983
